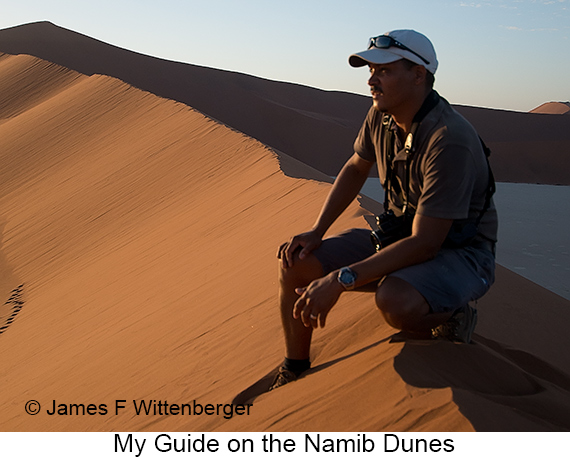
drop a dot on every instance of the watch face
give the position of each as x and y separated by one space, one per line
347 276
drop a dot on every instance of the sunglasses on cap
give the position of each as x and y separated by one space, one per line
386 41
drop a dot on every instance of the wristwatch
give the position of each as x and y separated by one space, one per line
347 278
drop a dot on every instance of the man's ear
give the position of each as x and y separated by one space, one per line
420 74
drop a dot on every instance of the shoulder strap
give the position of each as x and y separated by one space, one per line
388 135
429 103
491 187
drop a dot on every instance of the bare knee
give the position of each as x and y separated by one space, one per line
302 273
400 303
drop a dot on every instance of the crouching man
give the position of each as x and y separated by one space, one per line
437 254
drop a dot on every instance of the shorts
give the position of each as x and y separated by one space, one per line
449 281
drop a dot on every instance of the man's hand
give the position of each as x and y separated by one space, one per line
344 190
317 299
307 242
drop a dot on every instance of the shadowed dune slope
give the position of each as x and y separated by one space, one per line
138 261
315 126
526 147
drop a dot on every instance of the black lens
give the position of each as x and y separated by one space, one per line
382 41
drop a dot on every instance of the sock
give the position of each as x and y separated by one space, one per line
297 366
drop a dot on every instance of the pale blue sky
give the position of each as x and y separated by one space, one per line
507 54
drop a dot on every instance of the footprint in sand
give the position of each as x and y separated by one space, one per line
11 308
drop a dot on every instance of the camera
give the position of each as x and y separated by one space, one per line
391 228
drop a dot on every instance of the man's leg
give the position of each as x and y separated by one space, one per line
335 252
301 274
404 308
297 336
449 282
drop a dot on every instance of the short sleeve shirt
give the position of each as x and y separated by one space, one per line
448 168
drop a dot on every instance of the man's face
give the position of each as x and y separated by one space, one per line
391 86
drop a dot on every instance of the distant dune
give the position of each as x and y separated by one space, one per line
553 108
315 126
137 261
530 148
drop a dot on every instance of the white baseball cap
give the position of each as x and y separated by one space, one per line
396 45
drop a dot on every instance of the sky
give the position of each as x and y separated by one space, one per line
505 54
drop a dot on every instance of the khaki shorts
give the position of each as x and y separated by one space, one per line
452 279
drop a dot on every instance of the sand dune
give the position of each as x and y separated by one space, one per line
138 263
126 220
552 108
306 123
315 126
526 147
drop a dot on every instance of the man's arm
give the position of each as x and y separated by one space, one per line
344 190
428 234
318 298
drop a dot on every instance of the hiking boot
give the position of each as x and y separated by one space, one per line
283 377
459 327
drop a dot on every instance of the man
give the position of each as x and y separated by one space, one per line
433 167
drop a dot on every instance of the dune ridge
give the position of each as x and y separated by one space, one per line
145 234
315 126
304 122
